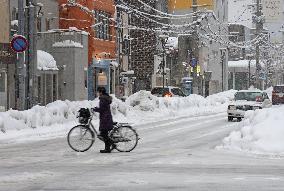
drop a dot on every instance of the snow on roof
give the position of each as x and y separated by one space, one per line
241 64
77 30
65 31
68 43
45 61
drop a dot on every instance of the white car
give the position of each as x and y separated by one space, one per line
245 100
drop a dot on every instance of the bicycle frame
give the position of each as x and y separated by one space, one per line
88 131
90 124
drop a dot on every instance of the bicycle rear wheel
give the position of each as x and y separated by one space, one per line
80 138
124 138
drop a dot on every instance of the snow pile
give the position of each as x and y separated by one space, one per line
222 97
68 43
263 133
142 107
45 61
145 101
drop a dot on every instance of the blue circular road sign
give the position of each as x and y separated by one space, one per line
19 44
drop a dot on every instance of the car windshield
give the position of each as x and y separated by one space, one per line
177 91
160 91
279 89
248 96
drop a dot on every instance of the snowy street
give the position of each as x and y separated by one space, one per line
194 89
176 154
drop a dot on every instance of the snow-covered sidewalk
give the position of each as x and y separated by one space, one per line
55 119
262 133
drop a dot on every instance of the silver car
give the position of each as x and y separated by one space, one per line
245 100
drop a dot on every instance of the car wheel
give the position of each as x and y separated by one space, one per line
230 118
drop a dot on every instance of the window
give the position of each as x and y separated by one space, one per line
249 96
39 89
86 78
125 45
178 92
2 82
102 29
54 88
159 91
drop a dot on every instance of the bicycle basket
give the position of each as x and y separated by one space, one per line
84 115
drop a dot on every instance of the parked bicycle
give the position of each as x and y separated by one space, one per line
81 137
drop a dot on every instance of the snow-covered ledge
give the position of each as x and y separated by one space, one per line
45 61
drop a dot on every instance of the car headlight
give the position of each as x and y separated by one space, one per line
232 107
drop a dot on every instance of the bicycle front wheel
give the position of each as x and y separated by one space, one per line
80 138
124 138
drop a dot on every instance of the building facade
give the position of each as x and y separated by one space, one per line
97 18
7 60
69 48
203 52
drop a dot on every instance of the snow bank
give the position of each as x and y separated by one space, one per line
141 107
263 133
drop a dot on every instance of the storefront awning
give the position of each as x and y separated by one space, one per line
45 61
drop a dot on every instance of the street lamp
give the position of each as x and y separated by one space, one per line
163 39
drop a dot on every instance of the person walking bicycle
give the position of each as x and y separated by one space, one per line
106 121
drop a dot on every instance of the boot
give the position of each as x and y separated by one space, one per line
107 148
105 151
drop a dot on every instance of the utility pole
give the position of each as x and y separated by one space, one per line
21 93
194 47
259 28
163 44
31 56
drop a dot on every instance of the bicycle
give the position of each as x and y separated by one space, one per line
81 137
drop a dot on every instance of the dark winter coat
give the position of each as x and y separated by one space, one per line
106 122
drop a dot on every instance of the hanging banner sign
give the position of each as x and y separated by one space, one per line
272 10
